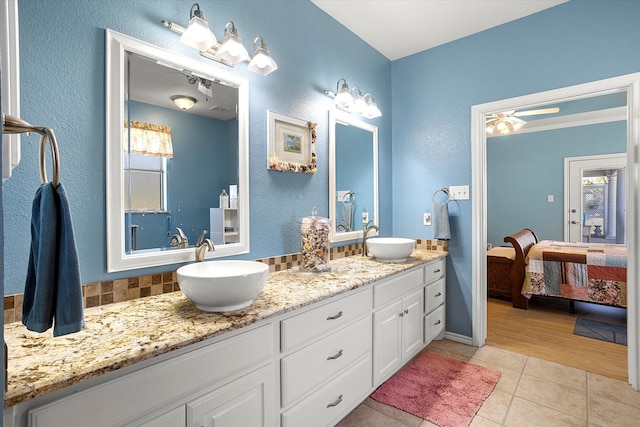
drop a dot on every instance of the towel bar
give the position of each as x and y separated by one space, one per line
15 125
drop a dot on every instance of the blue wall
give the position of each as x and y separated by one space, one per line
433 92
522 170
62 74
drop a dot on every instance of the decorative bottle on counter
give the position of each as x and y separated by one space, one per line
224 200
315 243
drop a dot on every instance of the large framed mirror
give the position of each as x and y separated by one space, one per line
176 137
353 175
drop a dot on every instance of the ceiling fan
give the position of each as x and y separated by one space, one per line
509 121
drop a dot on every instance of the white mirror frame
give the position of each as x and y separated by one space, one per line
337 116
631 85
117 45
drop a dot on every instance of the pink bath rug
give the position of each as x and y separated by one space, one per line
444 391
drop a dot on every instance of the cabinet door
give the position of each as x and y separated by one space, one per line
412 324
387 356
247 402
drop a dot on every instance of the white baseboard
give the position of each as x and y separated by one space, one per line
458 338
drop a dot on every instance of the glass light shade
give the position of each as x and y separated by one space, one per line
198 35
359 104
232 50
262 62
183 102
372 111
343 98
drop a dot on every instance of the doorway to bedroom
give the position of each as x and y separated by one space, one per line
483 214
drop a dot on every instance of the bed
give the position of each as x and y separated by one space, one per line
590 272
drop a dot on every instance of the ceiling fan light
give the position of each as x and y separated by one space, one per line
198 35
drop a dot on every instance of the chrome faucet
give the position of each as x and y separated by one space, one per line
365 235
180 239
201 238
205 245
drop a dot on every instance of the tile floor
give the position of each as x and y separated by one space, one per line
531 392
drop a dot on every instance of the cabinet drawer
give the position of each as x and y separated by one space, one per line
434 295
434 270
433 324
307 327
333 401
309 367
396 288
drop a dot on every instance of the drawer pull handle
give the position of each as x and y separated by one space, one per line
336 402
406 311
436 271
335 356
439 294
437 323
337 316
401 314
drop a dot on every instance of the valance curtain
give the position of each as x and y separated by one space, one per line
149 139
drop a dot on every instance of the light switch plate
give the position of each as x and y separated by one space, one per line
459 192
426 218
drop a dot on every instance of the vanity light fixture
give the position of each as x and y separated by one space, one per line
262 62
345 100
198 35
371 111
183 102
230 52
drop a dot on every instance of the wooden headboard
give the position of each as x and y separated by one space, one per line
521 241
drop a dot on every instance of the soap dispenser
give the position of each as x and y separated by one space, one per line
224 200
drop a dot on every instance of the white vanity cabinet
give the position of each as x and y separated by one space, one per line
230 382
397 322
434 320
325 368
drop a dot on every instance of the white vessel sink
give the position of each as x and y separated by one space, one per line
390 249
223 285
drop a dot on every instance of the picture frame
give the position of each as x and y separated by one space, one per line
291 144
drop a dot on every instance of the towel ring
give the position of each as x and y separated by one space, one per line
15 125
445 191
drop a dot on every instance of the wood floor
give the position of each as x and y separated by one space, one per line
545 331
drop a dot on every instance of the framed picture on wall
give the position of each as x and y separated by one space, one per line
291 144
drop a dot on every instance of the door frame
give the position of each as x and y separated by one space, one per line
605 159
630 84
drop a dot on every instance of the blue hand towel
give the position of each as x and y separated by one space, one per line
53 289
441 229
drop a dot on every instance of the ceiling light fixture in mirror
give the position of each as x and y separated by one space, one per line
209 153
231 51
353 175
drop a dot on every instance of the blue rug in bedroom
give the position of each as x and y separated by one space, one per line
601 331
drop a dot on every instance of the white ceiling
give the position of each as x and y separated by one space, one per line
399 28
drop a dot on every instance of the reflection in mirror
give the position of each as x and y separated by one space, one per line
177 137
353 175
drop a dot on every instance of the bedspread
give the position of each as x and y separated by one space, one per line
593 272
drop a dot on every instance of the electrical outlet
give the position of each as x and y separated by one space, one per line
426 218
459 192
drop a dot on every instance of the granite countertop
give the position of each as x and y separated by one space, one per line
121 334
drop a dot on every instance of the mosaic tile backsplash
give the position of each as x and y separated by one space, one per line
110 291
